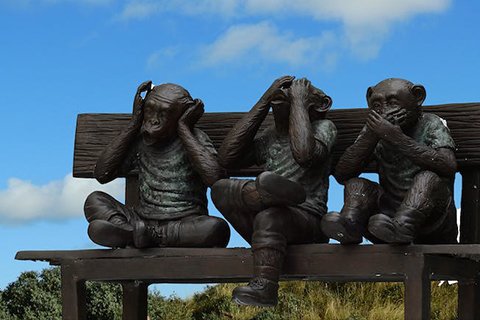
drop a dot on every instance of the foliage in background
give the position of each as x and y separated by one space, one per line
36 296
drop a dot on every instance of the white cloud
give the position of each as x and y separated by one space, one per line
140 9
356 12
365 24
268 42
23 201
361 25
160 57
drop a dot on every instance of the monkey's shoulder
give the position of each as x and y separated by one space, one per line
325 131
324 125
432 130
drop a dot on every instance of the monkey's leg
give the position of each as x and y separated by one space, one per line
109 220
275 190
274 228
423 210
193 231
360 202
238 201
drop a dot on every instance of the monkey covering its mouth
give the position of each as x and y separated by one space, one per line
414 154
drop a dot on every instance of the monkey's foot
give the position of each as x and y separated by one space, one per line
337 227
387 229
276 190
259 292
109 234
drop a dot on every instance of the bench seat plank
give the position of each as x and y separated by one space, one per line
312 262
470 251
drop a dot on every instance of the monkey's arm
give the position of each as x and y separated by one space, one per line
306 149
236 148
239 139
356 157
442 161
201 154
112 158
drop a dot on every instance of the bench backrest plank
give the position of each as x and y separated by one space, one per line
94 131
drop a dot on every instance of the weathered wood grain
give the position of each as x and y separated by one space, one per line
469 251
94 131
306 262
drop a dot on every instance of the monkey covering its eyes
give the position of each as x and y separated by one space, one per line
176 163
414 153
284 204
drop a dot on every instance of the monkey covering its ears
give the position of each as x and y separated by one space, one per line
175 162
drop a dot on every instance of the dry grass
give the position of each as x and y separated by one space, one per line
300 300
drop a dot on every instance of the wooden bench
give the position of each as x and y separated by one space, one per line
415 265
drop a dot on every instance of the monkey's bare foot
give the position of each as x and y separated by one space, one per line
335 226
387 229
276 190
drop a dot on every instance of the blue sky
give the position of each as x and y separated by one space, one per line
59 58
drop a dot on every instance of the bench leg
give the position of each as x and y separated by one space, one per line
74 300
417 290
469 300
135 300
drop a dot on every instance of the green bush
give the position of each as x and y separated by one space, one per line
160 308
36 296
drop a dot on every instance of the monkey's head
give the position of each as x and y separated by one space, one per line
163 107
391 96
312 98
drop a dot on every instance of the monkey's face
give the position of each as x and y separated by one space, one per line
395 102
160 120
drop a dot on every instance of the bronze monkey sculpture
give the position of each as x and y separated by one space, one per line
176 163
284 204
414 153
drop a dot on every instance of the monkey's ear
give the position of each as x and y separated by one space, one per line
419 93
369 92
324 106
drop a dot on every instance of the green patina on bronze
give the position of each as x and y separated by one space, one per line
273 150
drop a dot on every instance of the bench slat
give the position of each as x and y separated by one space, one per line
471 251
303 262
94 131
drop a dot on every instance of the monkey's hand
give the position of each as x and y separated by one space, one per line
299 89
382 127
192 114
138 100
396 116
274 92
